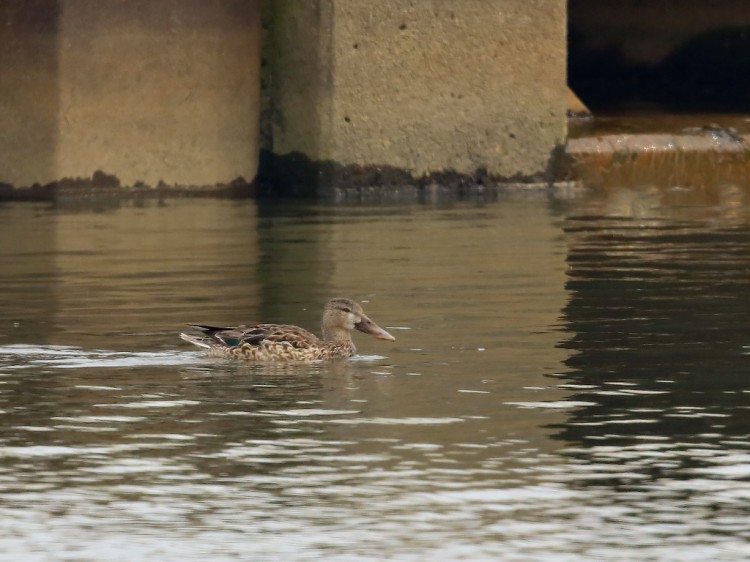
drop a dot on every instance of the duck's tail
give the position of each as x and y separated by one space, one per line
200 341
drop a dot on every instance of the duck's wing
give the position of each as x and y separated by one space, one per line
256 335
278 333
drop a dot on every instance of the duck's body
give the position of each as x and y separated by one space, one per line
283 342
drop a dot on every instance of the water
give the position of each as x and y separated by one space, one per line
569 382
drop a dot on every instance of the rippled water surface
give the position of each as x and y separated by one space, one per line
570 381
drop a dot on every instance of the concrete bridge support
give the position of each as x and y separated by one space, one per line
357 92
147 91
388 92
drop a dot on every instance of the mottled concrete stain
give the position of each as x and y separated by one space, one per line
295 174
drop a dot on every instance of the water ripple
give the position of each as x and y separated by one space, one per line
65 357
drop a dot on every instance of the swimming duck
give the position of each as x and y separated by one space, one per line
282 342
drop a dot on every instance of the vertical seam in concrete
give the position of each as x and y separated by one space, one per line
326 67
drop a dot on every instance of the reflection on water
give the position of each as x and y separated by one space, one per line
568 382
657 314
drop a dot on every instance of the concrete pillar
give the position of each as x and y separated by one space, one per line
366 93
29 91
147 91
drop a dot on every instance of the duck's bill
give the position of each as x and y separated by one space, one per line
367 326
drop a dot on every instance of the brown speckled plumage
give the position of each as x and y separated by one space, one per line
283 342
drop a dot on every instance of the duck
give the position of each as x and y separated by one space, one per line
284 342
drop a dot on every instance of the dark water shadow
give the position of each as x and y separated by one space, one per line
657 319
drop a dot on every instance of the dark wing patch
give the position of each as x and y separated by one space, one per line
253 336
223 335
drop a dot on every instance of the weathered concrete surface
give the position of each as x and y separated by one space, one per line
29 91
361 92
704 158
576 108
148 91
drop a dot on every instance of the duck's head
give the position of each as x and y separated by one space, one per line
344 315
